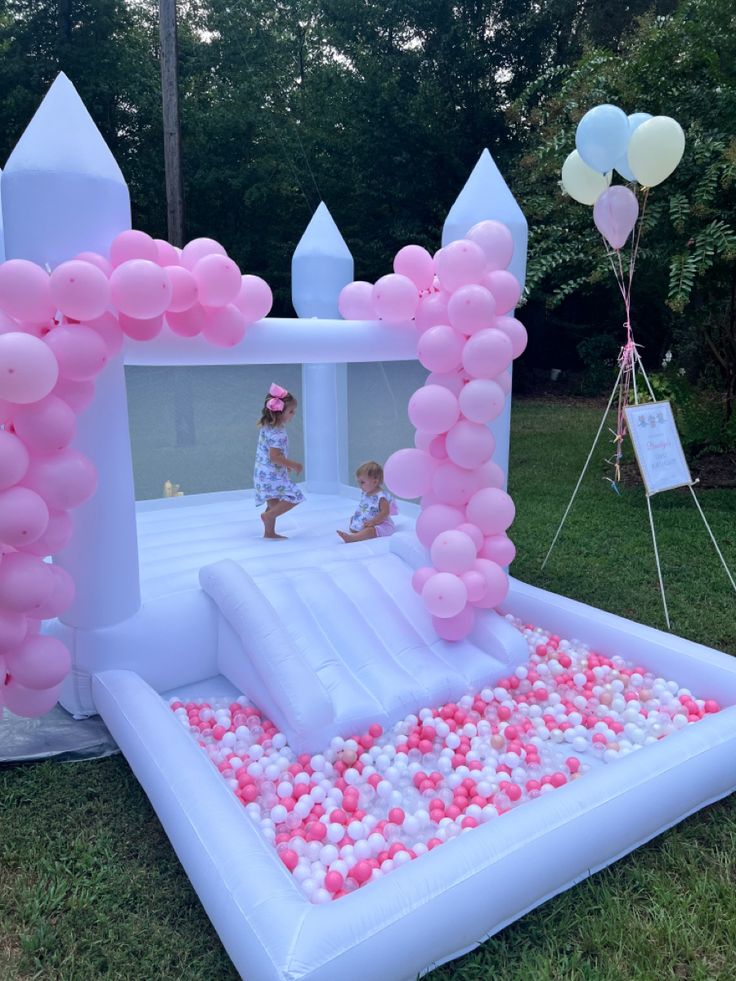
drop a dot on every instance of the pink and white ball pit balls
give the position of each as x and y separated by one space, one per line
366 805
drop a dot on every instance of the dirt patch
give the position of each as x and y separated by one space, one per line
712 471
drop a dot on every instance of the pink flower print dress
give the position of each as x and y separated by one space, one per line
270 480
368 509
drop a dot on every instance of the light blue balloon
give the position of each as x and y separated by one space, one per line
622 164
602 137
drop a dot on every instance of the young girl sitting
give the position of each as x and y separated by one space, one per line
273 485
372 518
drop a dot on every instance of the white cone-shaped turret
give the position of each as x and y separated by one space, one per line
320 267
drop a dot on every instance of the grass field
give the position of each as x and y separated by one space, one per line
90 887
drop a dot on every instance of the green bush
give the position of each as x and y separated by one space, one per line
698 411
598 355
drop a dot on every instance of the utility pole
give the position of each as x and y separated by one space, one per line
172 129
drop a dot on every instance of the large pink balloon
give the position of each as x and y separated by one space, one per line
470 444
218 280
434 519
108 327
487 353
198 248
80 351
452 380
473 532
28 368
141 328
25 582
395 298
492 510
166 254
25 292
497 584
14 459
408 473
356 301
491 475
58 534
453 484
13 628
140 288
132 245
433 409
61 596
498 548
28 703
505 287
187 323
475 584
64 480
460 263
457 627
482 400
615 213
440 348
495 240
97 260
418 579
79 289
453 551
472 308
516 333
39 663
432 310
23 516
183 289
78 395
255 299
503 378
224 326
444 595
416 264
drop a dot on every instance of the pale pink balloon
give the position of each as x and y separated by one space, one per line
432 310
255 299
79 289
28 368
497 584
459 263
23 516
109 329
434 519
473 532
25 582
197 249
487 353
183 290
444 595
491 509
39 663
224 326
79 350
453 484
27 703
14 459
453 380
470 444
506 289
482 400
141 328
428 500
437 448
498 548
475 583
140 288
218 280
61 596
472 308
356 301
496 241
416 264
615 213
453 551
491 475
132 245
57 536
408 473
433 409
504 380
457 627
25 292
516 333
79 395
64 480
97 260
166 254
440 349
395 298
423 441
187 323
13 628
418 579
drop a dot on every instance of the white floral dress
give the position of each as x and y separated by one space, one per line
269 479
368 510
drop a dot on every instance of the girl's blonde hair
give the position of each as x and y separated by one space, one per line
372 470
271 418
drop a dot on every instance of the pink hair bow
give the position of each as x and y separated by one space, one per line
276 404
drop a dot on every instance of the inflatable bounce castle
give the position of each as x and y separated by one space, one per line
183 612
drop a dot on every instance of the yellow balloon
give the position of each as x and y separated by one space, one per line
581 181
655 149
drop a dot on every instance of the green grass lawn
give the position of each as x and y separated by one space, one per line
90 887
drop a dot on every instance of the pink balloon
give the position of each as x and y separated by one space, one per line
45 426
23 516
432 310
25 582
57 536
470 444
475 583
482 400
416 264
487 353
408 473
615 213
132 245
141 328
423 441
166 254
498 548
79 350
473 532
434 519
516 333
218 280
64 480
497 584
460 263
224 326
108 327
13 628
453 484
433 409
97 260
255 299
418 579
504 380
452 380
188 323
28 703
79 289
79 395
505 287
140 288
444 595
440 349
61 596
491 475
457 627
356 301
496 241
437 448
395 298
183 290
28 368
197 249
492 510
453 551
24 291
472 308
39 663
14 459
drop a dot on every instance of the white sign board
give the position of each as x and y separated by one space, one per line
657 446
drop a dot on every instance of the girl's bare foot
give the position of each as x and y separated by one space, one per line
345 537
269 526
274 535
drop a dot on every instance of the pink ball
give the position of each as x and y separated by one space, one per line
482 400
25 292
487 353
516 333
504 380
420 576
453 551
457 627
183 289
408 473
79 350
78 395
473 532
440 349
132 245
423 441
28 368
218 280
395 298
491 475
475 584
141 328
453 484
471 308
39 663
505 287
28 703
25 582
356 301
57 536
100 262
334 882
434 519
140 288
432 310
459 263
416 264
497 584
437 448
492 510
444 595
498 548
13 628
61 596
433 409
79 289
14 459
452 380
23 516
255 298
496 241
470 444
187 323
64 480
197 249
361 872
224 326
108 327
166 254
